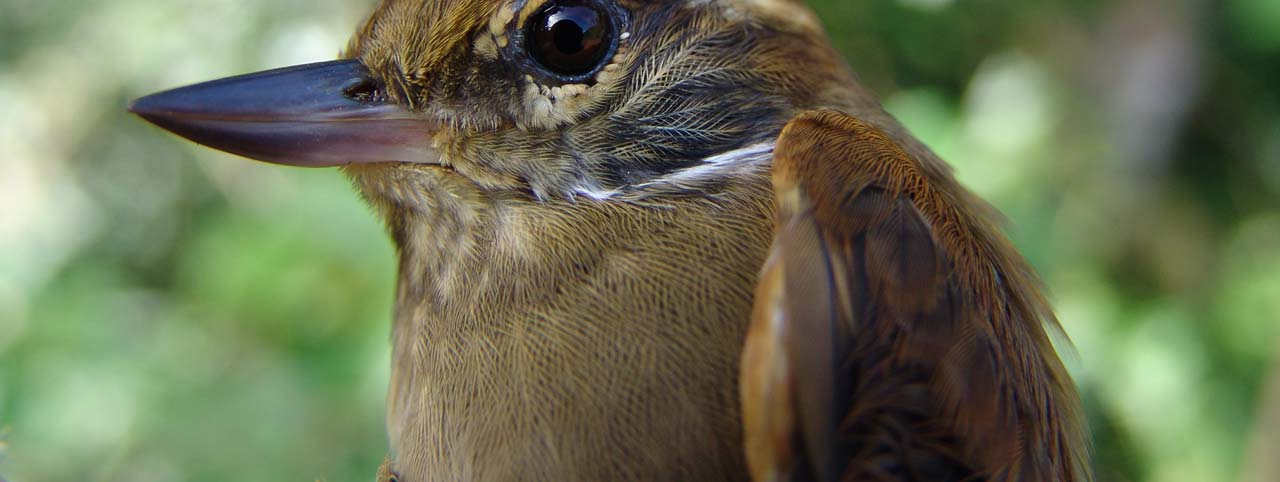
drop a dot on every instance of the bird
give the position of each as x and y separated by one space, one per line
646 240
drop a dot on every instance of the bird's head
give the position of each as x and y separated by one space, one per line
550 99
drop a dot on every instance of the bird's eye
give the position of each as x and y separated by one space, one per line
569 37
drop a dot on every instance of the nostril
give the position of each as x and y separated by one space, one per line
366 91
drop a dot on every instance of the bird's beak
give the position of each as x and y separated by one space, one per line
315 115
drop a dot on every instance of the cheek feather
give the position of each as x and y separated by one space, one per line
754 159
540 113
552 107
548 108
498 23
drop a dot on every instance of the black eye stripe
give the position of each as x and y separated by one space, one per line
570 39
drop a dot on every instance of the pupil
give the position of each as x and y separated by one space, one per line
568 34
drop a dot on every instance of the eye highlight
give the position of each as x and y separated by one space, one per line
569 37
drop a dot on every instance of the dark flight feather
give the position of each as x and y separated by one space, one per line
930 361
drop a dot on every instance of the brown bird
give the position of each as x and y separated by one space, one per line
654 240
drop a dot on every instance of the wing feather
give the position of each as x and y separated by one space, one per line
897 334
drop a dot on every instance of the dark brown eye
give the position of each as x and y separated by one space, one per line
569 37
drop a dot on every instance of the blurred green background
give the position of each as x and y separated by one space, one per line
169 313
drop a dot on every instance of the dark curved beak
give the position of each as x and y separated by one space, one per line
315 115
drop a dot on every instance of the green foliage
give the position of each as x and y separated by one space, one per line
171 313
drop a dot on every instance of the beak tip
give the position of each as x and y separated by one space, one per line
147 107
132 107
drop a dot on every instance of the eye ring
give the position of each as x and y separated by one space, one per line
571 40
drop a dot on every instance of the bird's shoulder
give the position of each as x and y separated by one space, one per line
897 335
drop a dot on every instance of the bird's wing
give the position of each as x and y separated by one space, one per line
896 335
